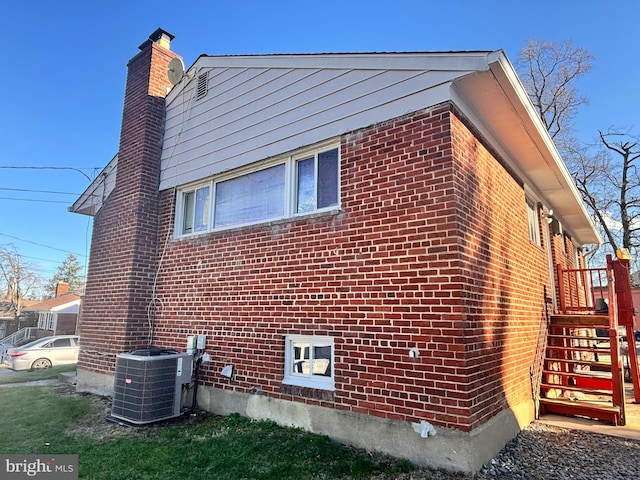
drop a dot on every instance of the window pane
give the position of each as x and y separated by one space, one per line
201 219
306 186
300 357
250 198
322 360
62 343
187 212
328 178
534 225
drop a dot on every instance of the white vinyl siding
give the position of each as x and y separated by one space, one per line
259 112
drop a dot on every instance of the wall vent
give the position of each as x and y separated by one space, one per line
201 88
148 385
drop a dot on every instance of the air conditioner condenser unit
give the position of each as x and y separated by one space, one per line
148 385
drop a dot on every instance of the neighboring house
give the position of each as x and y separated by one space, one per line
9 323
57 315
365 238
7 317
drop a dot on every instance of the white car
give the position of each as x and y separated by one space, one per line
44 353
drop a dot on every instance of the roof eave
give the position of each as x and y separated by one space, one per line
510 120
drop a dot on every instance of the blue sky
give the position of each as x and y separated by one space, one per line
64 71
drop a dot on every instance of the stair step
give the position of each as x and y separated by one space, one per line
571 320
585 409
583 374
602 367
591 391
577 349
577 337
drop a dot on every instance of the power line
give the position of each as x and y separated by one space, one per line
37 191
41 245
34 200
79 170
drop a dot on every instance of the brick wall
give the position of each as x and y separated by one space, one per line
66 324
503 279
124 243
429 250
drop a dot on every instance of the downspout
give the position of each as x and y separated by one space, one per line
552 269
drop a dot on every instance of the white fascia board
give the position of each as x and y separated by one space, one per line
449 61
549 181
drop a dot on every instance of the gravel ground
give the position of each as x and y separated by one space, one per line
546 452
551 453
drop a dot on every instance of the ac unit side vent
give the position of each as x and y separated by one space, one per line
149 389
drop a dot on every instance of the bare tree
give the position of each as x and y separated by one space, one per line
18 279
548 71
609 182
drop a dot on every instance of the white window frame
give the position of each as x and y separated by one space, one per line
180 209
290 190
47 321
533 221
308 379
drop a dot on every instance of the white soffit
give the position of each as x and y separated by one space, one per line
496 102
98 190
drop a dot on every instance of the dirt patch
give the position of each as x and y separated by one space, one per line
94 424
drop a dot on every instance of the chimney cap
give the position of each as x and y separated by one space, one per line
159 36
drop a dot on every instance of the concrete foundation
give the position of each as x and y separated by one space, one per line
96 383
449 449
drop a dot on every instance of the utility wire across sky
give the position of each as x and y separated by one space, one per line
79 170
41 245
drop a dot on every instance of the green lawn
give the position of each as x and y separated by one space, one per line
56 420
34 375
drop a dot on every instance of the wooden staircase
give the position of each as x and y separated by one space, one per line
581 373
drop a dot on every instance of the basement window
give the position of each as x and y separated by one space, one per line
288 186
309 361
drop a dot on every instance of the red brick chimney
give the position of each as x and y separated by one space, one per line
124 244
61 288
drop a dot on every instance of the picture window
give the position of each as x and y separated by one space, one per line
285 187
